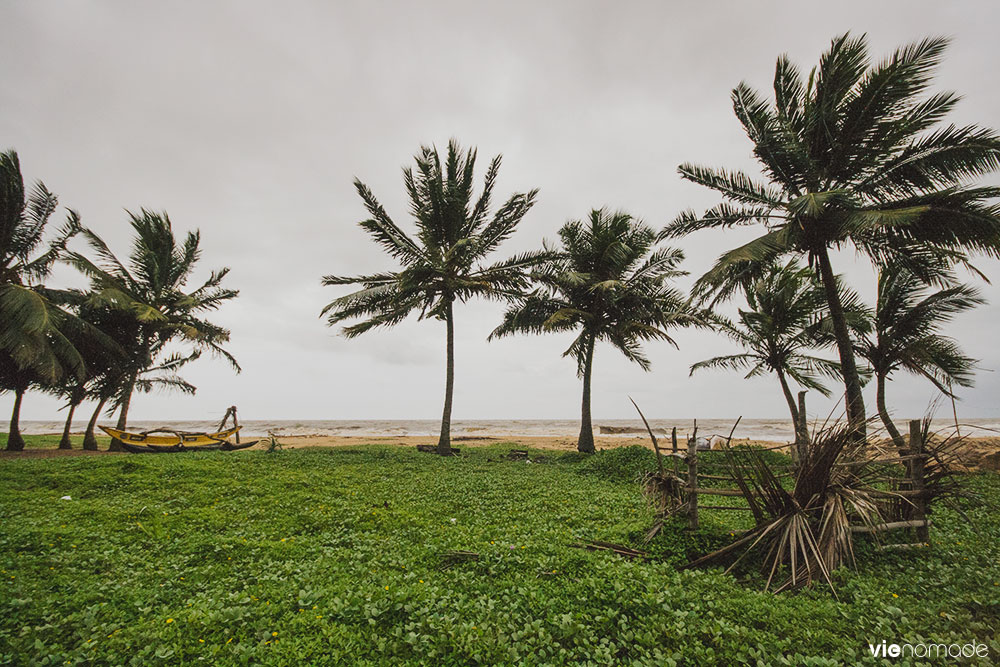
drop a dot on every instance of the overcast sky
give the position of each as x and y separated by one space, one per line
249 121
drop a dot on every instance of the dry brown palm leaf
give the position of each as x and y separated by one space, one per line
664 490
805 532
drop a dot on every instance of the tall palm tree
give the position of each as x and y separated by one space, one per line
906 336
851 162
33 344
610 283
785 305
151 289
445 262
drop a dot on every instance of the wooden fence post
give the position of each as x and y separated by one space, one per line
802 443
917 478
692 483
673 442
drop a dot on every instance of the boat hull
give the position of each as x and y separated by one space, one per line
170 439
167 449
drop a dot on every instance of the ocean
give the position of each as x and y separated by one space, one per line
758 429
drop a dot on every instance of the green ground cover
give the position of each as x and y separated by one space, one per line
52 441
328 556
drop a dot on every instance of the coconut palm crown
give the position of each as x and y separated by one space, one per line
34 346
610 283
445 262
907 336
778 329
854 156
29 322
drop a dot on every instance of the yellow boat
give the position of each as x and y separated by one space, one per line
170 440
172 437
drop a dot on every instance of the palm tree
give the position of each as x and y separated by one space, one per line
150 290
785 306
16 379
610 283
908 320
851 161
106 373
99 344
74 392
33 344
444 263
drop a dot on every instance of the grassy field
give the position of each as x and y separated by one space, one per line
52 441
330 556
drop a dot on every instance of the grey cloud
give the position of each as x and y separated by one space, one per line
249 120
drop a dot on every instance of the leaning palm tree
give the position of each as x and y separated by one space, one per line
74 391
851 162
784 311
445 262
610 283
99 344
906 336
33 344
151 291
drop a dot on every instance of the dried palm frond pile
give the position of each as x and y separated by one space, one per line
664 489
806 532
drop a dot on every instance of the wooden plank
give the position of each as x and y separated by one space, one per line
905 493
892 525
902 547
719 492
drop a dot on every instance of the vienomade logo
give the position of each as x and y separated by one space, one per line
929 650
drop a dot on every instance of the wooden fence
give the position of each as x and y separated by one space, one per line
911 486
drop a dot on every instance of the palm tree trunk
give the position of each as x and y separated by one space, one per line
116 444
883 413
15 443
89 439
585 443
65 442
854 400
801 437
444 442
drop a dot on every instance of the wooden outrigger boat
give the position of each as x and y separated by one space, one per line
162 440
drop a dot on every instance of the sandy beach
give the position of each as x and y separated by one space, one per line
557 443
977 452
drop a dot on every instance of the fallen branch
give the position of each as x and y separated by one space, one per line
619 549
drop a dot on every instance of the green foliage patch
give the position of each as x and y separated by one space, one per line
336 556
